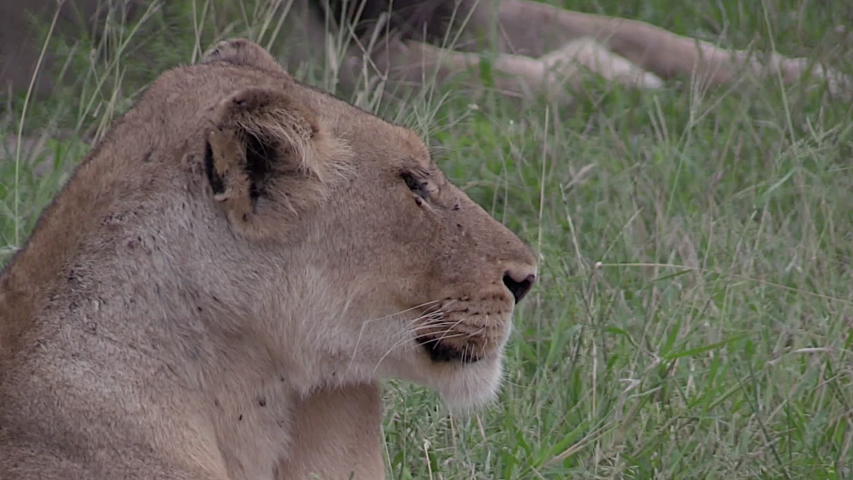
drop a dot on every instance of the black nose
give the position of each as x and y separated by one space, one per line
518 288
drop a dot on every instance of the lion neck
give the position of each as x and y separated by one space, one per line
149 296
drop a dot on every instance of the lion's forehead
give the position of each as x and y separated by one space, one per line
206 85
186 99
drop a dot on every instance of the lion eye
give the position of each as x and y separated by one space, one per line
417 187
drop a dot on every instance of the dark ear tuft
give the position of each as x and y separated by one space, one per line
217 183
259 166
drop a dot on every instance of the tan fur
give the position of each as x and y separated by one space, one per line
337 434
220 285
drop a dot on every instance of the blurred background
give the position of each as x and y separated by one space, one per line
694 317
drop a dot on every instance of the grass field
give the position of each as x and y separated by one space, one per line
694 317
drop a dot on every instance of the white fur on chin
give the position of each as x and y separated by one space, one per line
474 387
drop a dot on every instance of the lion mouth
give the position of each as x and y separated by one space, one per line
440 351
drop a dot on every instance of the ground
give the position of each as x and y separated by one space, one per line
694 317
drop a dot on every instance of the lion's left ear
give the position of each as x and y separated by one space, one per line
268 156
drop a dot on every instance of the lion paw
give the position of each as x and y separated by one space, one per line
837 83
588 55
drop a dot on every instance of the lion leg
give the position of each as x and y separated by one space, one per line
337 436
519 75
415 64
652 48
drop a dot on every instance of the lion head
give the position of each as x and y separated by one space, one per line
385 267
275 222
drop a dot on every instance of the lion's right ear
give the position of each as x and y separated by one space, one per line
268 159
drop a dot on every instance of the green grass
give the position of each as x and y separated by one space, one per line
694 317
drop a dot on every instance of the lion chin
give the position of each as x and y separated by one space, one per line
463 386
466 379
473 386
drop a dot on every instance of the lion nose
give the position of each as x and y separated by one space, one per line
519 281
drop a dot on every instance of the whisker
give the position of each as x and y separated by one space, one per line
454 325
437 341
402 342
412 327
366 322
429 319
430 316
388 352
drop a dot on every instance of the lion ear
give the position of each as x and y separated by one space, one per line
269 156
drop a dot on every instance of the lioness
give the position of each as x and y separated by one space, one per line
540 49
218 287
